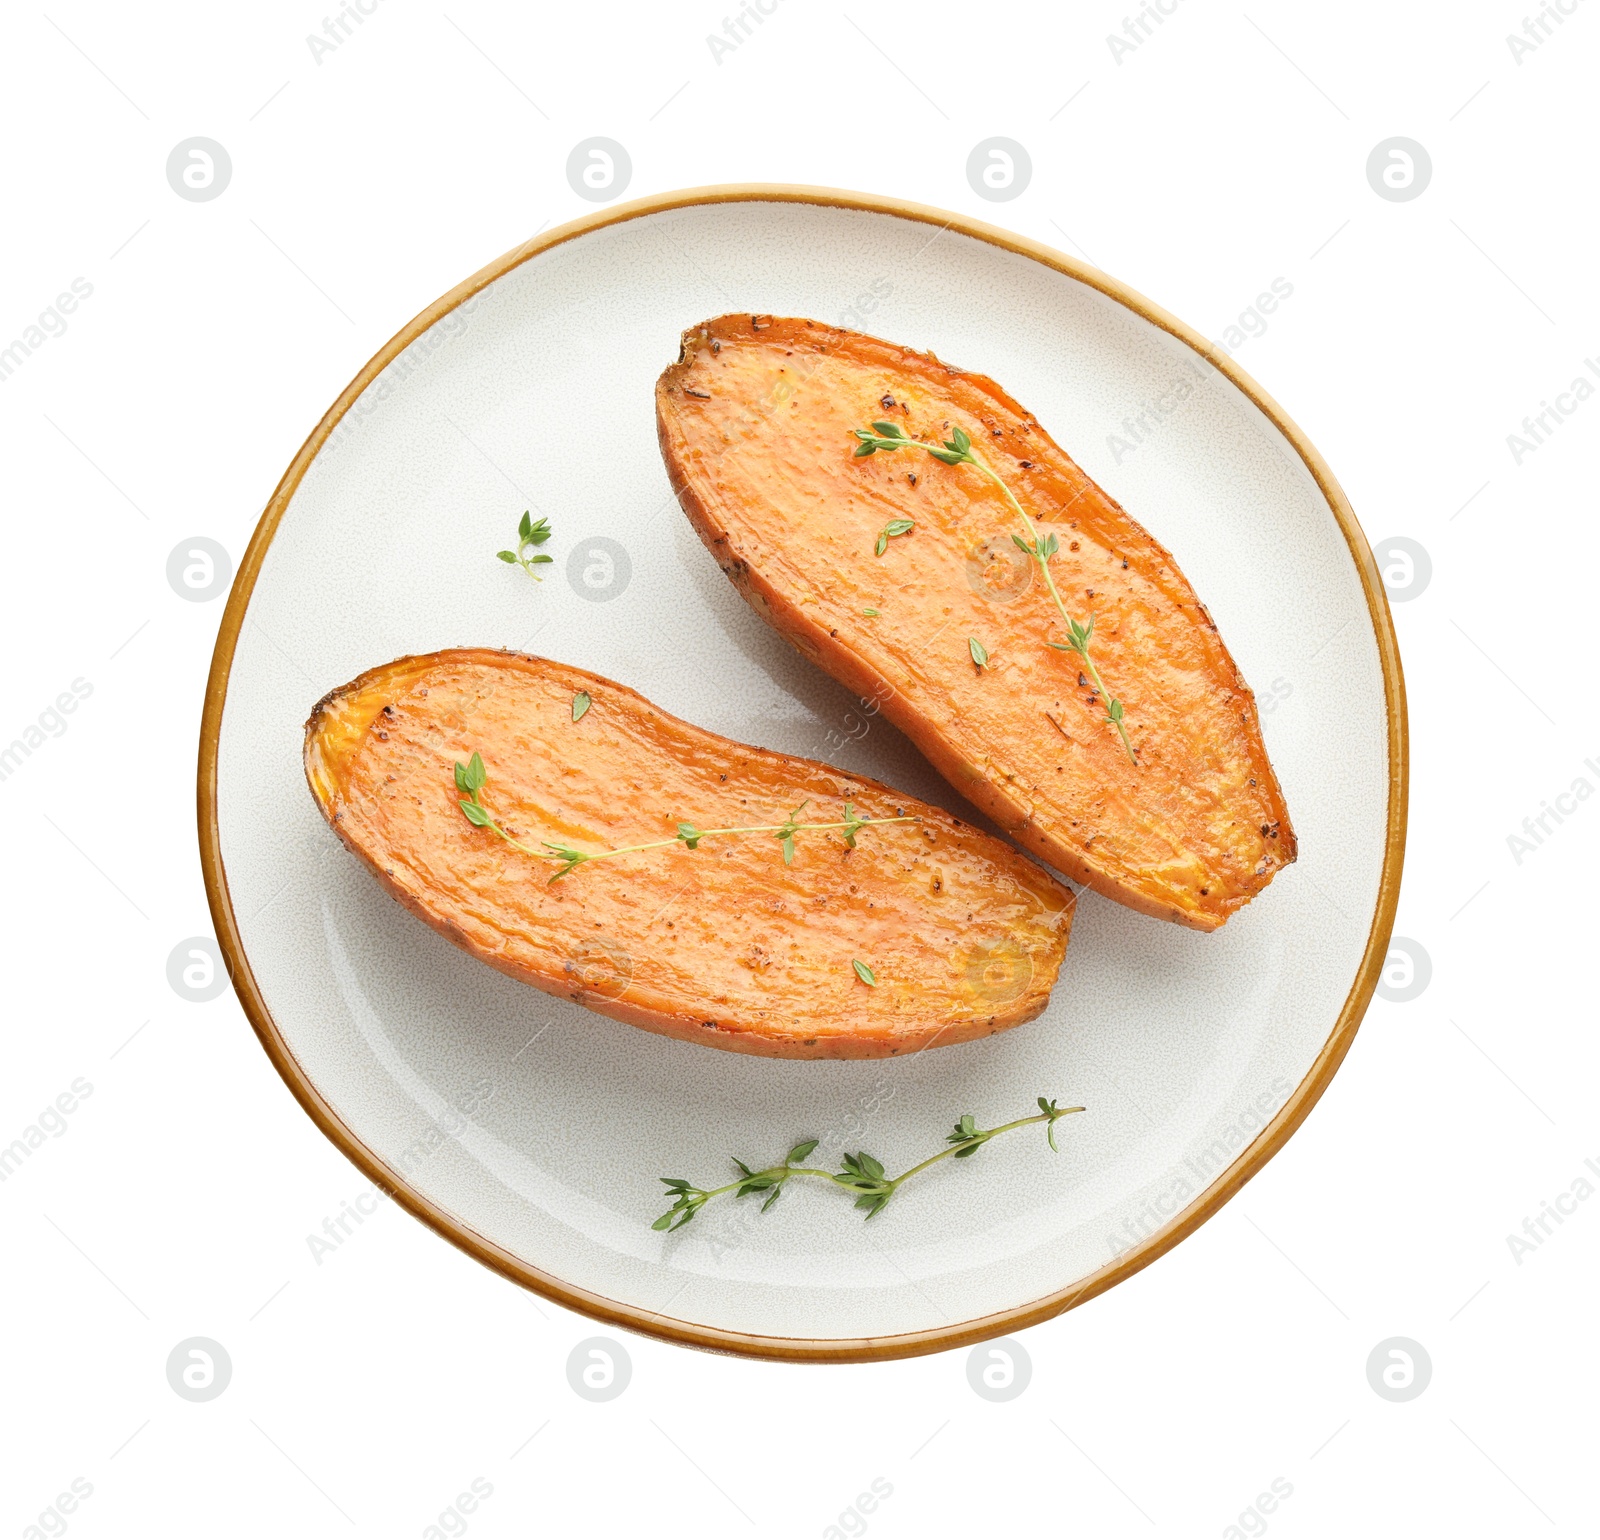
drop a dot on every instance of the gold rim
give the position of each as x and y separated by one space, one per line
800 1349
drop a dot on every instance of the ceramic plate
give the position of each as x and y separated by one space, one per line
530 1131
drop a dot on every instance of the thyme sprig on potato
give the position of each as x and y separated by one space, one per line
958 450
861 1173
473 776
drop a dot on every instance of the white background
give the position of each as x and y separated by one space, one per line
1225 150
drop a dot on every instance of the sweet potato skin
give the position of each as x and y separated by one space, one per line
724 945
755 421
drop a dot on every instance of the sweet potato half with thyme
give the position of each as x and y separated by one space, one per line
958 588
748 941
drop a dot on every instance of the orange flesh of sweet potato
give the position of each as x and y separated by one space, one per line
724 944
756 421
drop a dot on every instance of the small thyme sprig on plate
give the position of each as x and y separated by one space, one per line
958 450
472 777
860 1173
530 534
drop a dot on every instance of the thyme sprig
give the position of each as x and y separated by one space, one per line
531 534
861 1173
958 450
473 776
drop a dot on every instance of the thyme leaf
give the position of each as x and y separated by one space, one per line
891 530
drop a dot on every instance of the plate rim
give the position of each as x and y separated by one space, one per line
1250 1159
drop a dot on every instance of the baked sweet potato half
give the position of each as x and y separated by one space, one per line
745 941
915 580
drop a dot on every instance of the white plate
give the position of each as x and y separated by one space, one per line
530 386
